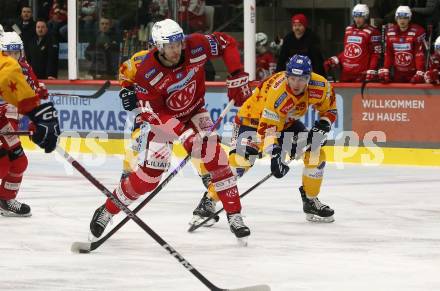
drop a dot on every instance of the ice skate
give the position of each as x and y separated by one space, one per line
205 209
13 208
99 222
238 228
315 210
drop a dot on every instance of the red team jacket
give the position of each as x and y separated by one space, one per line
404 51
362 48
179 92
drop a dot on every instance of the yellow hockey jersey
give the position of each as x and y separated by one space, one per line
128 69
14 88
273 107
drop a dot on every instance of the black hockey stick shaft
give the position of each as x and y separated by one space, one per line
18 132
196 226
96 244
137 220
95 95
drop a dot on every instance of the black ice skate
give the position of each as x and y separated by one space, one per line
205 209
315 210
238 227
13 208
100 219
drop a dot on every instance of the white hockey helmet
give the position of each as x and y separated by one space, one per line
361 10
261 39
403 12
437 43
166 31
11 42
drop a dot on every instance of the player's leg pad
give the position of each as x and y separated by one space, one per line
13 208
315 210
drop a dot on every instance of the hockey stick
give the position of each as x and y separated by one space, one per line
86 247
95 95
196 226
428 46
18 132
146 228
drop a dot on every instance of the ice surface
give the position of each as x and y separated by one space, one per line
386 235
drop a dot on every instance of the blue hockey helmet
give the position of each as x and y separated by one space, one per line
299 65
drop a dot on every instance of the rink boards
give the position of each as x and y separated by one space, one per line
389 124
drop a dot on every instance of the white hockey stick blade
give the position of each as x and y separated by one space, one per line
252 288
81 247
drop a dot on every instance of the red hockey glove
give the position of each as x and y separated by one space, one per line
432 77
418 77
331 63
384 75
371 76
42 92
238 88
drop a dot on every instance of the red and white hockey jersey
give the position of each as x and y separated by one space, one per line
266 65
404 51
362 48
179 91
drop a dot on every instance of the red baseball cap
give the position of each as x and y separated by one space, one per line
299 18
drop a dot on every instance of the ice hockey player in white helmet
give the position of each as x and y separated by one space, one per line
362 47
404 50
21 93
265 62
432 75
167 86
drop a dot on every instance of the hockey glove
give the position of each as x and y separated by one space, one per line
432 76
318 134
128 98
277 166
238 88
384 75
42 91
418 77
371 75
47 128
331 63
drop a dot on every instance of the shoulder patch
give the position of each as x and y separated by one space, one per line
212 44
280 99
317 83
196 50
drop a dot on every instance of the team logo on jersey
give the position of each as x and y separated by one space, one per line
182 98
317 83
352 50
278 83
401 46
376 38
300 107
280 99
156 79
354 39
403 58
179 76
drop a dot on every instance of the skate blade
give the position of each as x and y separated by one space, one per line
196 220
319 219
7 213
242 241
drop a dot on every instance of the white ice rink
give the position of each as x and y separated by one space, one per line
386 235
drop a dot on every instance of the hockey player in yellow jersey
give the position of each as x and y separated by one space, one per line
17 89
268 122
